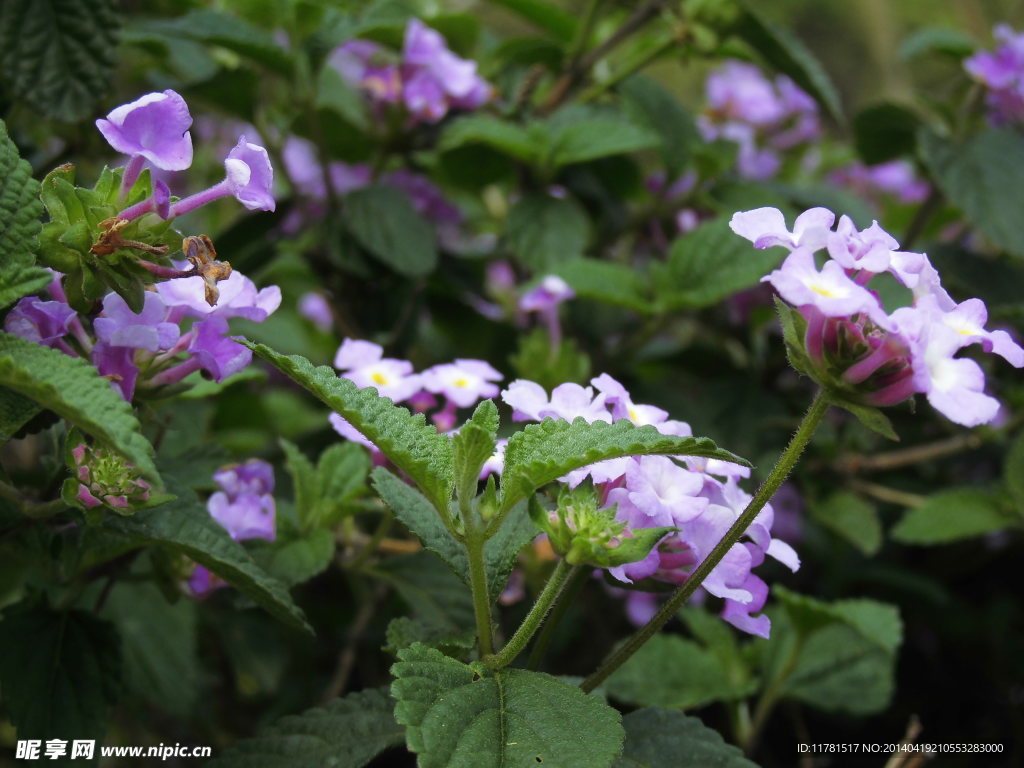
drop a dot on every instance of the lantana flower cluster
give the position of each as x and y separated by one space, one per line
151 348
429 80
895 179
459 384
1002 73
853 345
244 506
701 498
764 117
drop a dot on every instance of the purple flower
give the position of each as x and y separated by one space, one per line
665 492
895 178
154 127
363 63
766 227
149 330
245 507
159 203
186 296
1002 72
738 91
44 322
546 295
568 401
364 363
215 352
118 365
249 177
463 382
623 407
315 308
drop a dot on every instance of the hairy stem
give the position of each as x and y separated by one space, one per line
478 584
768 488
534 618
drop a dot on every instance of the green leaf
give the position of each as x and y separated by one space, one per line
577 137
554 20
472 446
839 656
404 632
73 389
669 671
1013 472
884 132
416 513
340 477
347 733
455 718
60 673
160 646
868 415
407 441
334 92
384 222
20 210
297 560
659 738
708 264
545 231
59 55
15 412
784 51
502 135
972 175
227 31
952 42
543 452
607 281
184 526
952 515
430 589
303 478
550 365
851 518
654 107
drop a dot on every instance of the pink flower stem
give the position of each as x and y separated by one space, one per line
190 203
177 373
143 207
131 175
168 273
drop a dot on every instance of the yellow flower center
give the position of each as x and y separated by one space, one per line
379 378
463 382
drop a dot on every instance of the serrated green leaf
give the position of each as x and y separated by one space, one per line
784 51
543 452
299 559
59 55
885 131
60 673
15 412
972 175
184 526
502 135
670 671
952 515
472 446
341 474
708 264
20 210
403 632
852 518
608 282
658 110
407 441
347 733
384 222
660 738
73 389
416 513
545 231
456 719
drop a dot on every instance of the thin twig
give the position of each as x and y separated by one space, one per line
885 493
880 462
347 657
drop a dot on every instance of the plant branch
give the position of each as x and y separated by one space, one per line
475 541
779 473
880 462
534 618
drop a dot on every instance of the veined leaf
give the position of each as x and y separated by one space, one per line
186 527
952 515
73 389
661 738
544 452
20 210
59 55
384 221
457 718
472 447
545 231
413 447
608 282
347 733
15 412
